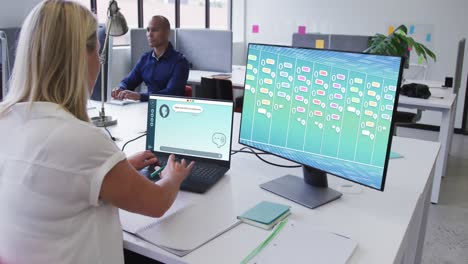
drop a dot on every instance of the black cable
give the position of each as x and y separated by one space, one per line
113 138
131 140
241 151
251 151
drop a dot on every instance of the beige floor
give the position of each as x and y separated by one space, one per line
447 231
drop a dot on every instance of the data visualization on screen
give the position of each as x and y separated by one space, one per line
326 109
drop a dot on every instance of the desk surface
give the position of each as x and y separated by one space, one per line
378 221
237 76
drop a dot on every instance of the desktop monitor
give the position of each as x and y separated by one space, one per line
330 111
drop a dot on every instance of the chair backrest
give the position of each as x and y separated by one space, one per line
215 89
188 91
8 43
4 64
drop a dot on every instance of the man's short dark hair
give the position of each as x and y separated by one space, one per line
164 22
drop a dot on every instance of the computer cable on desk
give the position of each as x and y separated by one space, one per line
251 151
131 140
113 138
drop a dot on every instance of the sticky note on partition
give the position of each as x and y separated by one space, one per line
428 37
301 30
411 29
319 43
255 28
390 30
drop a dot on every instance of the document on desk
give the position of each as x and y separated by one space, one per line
300 243
184 228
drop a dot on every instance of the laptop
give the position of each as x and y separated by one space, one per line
194 129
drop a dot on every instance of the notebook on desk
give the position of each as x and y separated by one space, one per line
185 227
193 129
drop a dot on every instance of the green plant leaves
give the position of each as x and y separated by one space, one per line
398 43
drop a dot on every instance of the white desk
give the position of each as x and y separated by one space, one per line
389 226
447 106
237 76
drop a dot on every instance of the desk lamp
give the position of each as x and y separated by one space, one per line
115 26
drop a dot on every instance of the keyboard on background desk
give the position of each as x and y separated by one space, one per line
121 102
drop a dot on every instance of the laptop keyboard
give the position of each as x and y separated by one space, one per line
201 178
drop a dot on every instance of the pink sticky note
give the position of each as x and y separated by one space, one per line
255 29
301 30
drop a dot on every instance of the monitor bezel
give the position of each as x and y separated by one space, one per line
392 123
223 163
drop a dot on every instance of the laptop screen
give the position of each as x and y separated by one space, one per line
192 127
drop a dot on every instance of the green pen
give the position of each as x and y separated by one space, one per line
156 172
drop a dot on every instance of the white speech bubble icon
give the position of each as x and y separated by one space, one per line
219 139
191 109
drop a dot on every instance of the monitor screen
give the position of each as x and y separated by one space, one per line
329 110
198 128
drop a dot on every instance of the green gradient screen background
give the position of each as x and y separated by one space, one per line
192 131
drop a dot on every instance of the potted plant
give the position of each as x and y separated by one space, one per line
398 43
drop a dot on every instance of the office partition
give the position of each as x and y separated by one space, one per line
352 43
206 49
311 40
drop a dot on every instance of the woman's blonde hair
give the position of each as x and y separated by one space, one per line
51 60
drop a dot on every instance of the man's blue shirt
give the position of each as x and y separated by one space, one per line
167 74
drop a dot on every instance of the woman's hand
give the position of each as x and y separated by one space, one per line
121 94
143 159
176 170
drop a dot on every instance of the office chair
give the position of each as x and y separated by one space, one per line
238 103
188 91
406 119
213 88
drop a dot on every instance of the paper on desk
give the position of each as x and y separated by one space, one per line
189 228
299 243
133 223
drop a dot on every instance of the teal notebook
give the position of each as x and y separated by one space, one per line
395 155
265 214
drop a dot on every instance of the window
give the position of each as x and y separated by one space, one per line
86 3
219 14
128 8
158 7
192 13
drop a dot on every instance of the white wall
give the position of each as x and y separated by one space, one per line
279 19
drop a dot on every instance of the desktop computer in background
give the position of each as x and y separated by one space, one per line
330 111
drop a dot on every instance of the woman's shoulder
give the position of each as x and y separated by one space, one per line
81 133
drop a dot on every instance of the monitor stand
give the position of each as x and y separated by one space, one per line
312 191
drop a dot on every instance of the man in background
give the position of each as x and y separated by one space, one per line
163 69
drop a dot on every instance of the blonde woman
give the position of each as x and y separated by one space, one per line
62 179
